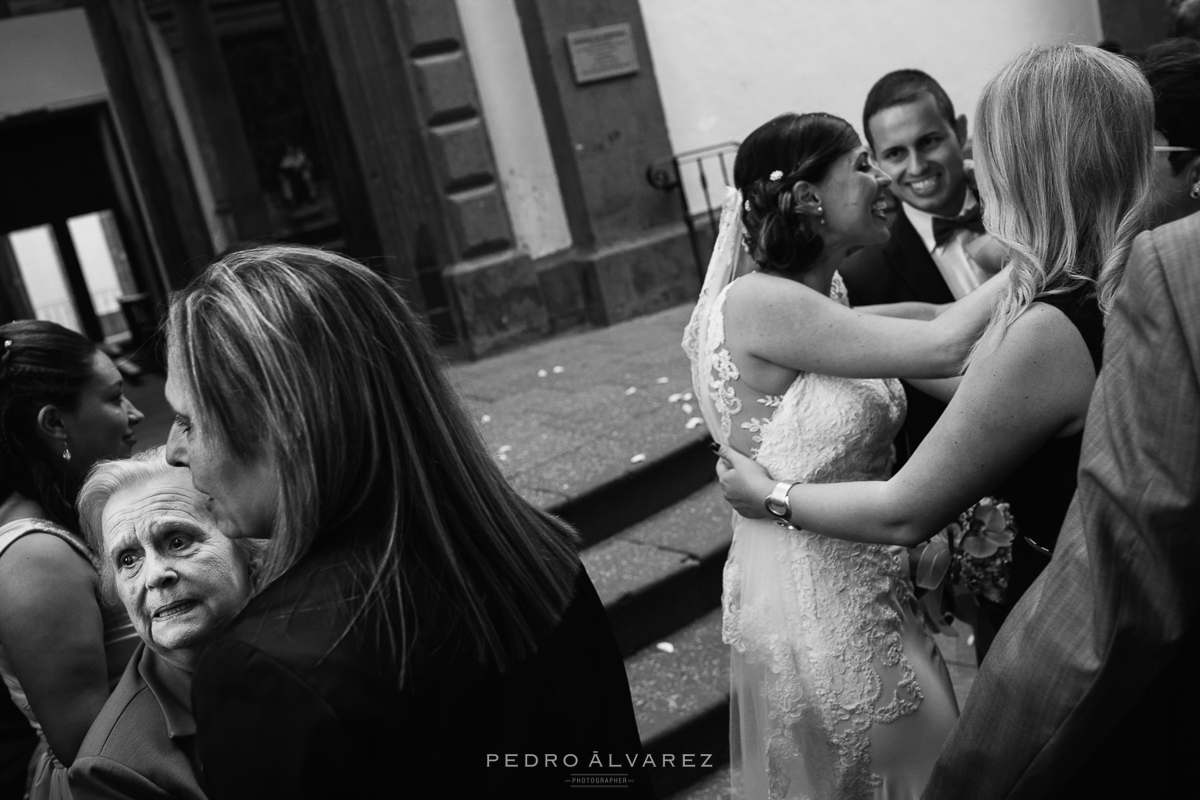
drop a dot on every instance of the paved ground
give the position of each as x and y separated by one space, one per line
565 415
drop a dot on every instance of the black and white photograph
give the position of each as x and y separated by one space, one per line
677 399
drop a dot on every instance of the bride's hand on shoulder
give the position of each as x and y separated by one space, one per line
744 481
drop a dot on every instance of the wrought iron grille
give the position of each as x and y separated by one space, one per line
690 175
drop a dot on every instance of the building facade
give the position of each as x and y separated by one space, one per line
491 155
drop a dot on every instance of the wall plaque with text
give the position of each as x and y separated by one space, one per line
601 53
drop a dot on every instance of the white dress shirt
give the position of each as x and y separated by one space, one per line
958 269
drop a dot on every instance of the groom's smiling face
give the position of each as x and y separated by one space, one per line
922 153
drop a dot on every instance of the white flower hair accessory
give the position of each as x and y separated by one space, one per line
777 174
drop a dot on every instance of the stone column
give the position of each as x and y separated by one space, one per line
217 122
14 302
631 253
406 126
151 139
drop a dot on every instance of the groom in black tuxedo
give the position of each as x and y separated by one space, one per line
911 128
936 236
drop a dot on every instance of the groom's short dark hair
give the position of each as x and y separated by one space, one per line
900 87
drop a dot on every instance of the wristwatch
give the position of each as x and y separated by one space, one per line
778 505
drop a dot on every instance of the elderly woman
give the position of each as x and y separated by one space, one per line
160 553
418 618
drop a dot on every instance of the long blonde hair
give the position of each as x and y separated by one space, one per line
317 362
1063 156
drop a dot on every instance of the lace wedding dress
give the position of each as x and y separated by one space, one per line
837 691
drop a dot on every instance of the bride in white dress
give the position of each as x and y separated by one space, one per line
838 691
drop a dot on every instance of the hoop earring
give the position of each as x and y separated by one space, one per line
1195 192
66 454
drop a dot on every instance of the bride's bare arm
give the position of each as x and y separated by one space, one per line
788 324
1035 385
907 310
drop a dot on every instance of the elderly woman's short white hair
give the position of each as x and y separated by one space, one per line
108 478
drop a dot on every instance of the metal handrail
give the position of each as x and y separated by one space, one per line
667 174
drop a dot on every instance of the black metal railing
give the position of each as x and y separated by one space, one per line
702 201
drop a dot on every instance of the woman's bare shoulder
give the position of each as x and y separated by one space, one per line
762 298
41 561
1041 363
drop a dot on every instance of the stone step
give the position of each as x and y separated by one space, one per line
680 689
616 501
599 428
665 571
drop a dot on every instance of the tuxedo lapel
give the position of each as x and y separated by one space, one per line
906 254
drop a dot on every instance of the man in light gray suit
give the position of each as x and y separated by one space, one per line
1092 688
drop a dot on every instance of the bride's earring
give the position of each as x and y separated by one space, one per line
1195 192
820 215
66 454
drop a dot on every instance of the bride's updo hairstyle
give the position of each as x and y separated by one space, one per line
1063 149
789 148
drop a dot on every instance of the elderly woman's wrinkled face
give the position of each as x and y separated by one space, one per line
179 578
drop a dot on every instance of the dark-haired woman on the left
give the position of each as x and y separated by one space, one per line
62 409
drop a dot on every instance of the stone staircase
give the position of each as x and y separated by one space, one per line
600 429
660 581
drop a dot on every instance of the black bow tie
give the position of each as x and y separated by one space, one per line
946 227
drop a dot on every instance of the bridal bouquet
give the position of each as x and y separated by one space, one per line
967 560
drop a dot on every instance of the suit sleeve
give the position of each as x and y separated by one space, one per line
263 731
99 778
1106 617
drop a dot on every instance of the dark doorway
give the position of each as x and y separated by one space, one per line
71 243
290 161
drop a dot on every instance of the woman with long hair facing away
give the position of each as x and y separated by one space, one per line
61 648
421 623
1063 152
